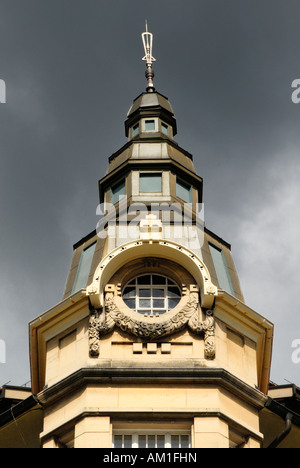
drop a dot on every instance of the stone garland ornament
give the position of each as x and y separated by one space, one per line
103 321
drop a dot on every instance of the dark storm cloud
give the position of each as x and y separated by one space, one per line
72 70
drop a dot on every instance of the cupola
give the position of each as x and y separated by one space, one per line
151 115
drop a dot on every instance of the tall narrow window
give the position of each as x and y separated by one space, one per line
221 268
118 191
184 191
164 129
150 182
135 130
84 267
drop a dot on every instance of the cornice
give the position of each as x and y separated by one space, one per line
118 374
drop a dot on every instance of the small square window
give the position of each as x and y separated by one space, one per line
150 182
150 125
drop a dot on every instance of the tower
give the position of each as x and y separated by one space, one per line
152 344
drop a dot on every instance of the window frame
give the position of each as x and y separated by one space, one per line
152 432
151 311
150 119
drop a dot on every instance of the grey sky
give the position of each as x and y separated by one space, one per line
72 70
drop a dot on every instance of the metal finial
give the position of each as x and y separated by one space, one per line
147 38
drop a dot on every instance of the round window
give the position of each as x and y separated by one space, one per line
151 294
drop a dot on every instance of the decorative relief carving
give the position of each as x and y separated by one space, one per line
208 327
99 325
103 321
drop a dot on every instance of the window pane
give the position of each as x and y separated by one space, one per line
173 292
118 191
129 292
127 441
158 303
175 441
135 130
149 125
145 303
165 129
142 441
158 293
84 267
221 269
158 279
130 303
144 292
150 183
117 441
184 191
160 441
151 441
185 441
144 279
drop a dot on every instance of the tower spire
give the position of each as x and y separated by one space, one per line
147 38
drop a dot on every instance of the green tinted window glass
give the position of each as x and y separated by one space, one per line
135 130
221 268
184 191
118 191
84 267
149 125
151 183
165 129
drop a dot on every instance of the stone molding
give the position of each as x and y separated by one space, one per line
149 248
